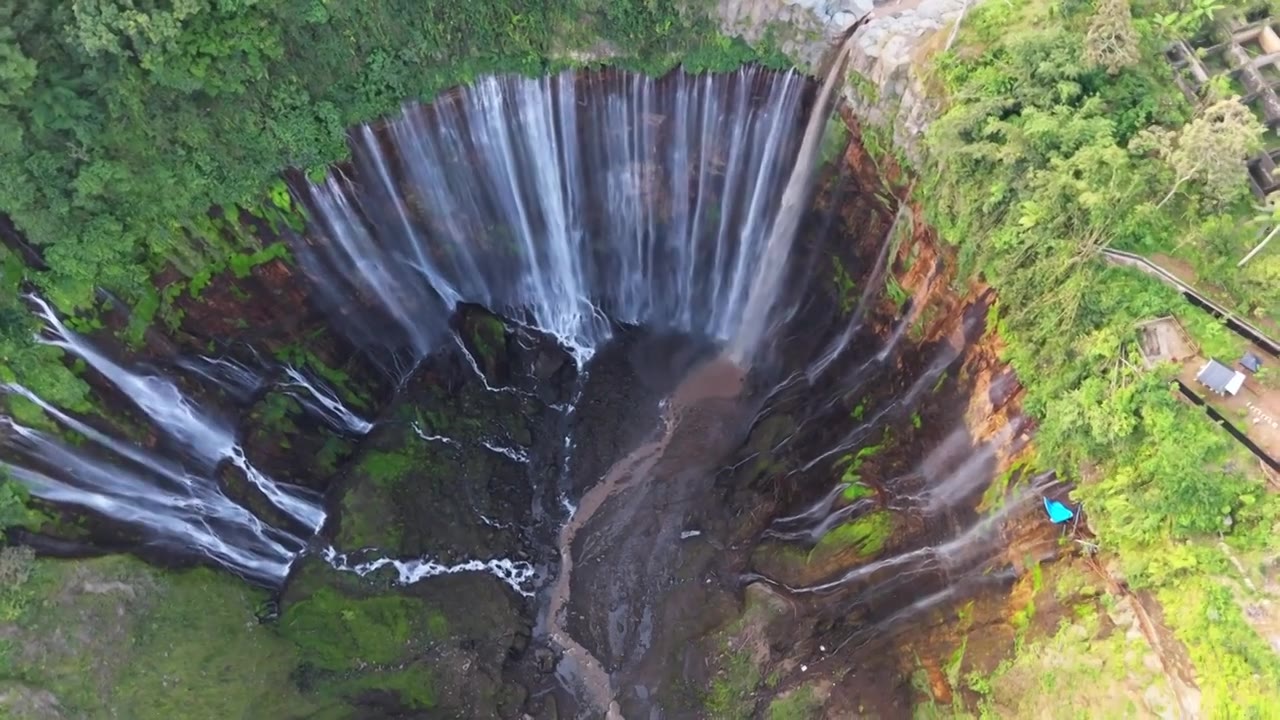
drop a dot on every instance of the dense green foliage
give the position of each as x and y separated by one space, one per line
122 123
14 510
137 138
1043 140
1050 149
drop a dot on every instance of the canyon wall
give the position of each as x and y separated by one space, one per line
886 85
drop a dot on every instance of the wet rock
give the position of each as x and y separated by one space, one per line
30 703
449 472
544 709
289 445
544 660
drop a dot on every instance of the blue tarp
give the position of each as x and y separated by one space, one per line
1057 511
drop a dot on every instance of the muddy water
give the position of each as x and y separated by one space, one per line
719 379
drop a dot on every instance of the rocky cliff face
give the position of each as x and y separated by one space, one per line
887 53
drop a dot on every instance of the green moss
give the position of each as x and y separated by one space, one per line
489 335
334 450
866 535
845 286
415 686
336 632
732 694
368 518
201 653
799 704
854 461
349 647
111 637
275 414
857 491
389 468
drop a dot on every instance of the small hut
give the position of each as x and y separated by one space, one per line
1220 379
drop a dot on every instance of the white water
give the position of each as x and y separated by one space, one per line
237 379
764 286
568 201
209 439
516 454
325 403
183 512
417 430
518 574
172 495
569 204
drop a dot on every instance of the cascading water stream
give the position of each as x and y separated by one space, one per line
765 285
569 203
208 439
131 485
322 401
572 205
176 502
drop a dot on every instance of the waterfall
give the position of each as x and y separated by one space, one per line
175 502
325 404
762 293
571 204
174 509
568 203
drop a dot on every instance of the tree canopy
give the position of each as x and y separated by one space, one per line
123 121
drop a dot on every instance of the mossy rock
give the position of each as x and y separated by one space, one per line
112 637
449 497
862 538
434 649
291 446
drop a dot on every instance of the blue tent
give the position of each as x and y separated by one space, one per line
1058 512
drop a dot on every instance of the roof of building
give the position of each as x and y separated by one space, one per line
1235 383
1251 362
1219 377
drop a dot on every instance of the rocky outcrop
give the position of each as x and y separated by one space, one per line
886 86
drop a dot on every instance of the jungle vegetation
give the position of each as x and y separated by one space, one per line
128 127
1064 134
125 125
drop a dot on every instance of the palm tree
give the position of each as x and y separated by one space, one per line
1269 213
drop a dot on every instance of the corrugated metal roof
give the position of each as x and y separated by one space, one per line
1216 376
1251 362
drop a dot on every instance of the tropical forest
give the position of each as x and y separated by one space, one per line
639 359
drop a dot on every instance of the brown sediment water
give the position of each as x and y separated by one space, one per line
719 379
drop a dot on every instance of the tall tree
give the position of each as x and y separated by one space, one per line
1211 149
1112 41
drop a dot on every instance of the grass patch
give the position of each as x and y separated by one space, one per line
799 704
732 695
111 637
